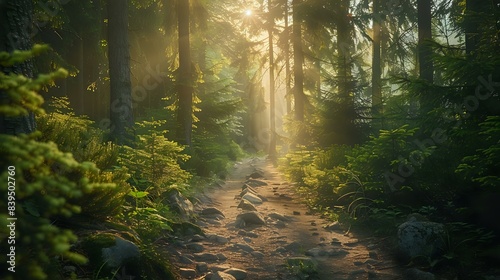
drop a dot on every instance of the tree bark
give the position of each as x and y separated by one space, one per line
184 76
376 61
16 34
121 114
426 68
272 97
298 61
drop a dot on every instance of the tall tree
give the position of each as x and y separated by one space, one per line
121 114
426 68
424 35
184 75
376 61
15 34
298 61
272 97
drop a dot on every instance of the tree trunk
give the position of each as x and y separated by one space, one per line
15 34
298 61
426 68
184 78
472 9
272 97
288 91
121 114
376 62
344 41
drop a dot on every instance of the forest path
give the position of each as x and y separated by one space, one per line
290 234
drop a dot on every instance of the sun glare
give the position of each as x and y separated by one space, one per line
248 13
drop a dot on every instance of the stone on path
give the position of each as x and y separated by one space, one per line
255 183
211 211
252 198
202 267
278 216
335 226
205 257
243 247
246 205
239 274
195 247
187 273
251 217
219 275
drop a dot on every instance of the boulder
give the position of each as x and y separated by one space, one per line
246 205
181 204
219 275
187 273
237 273
121 253
252 198
211 211
279 217
420 238
255 183
251 217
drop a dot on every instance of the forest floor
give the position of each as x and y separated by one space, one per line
292 244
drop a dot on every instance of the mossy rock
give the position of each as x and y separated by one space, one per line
186 229
108 252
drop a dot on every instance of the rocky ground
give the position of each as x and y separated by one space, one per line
256 228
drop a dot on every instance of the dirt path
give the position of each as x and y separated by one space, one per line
290 235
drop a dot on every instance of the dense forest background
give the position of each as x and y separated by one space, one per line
376 109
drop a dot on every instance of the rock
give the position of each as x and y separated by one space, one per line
244 247
255 183
219 267
335 226
278 216
247 188
280 224
181 204
186 229
195 247
257 254
123 252
296 213
218 239
197 238
187 273
246 205
219 275
252 198
420 238
185 259
417 274
221 257
239 274
211 211
251 217
201 267
337 252
205 257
